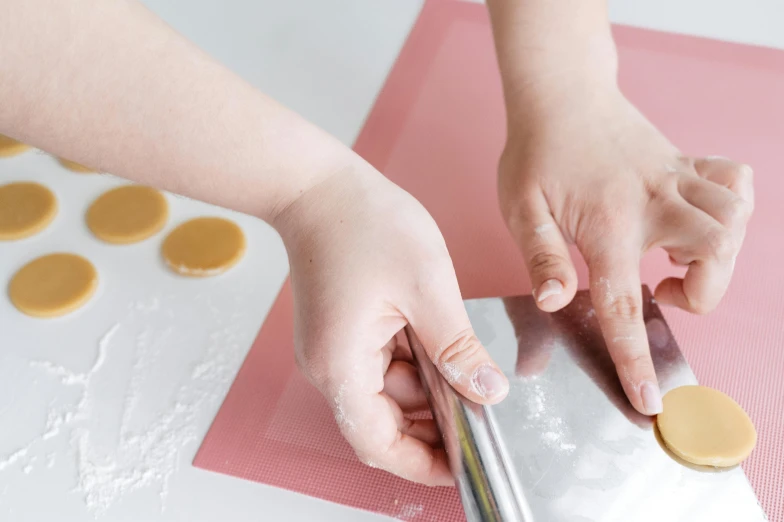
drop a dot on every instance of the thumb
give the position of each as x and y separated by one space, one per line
550 267
440 323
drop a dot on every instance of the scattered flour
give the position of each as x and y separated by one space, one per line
543 229
14 457
199 272
603 286
409 511
54 421
152 306
553 437
147 457
550 429
29 466
66 376
451 372
536 403
340 411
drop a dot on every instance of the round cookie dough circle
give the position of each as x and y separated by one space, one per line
204 246
26 208
10 147
127 214
53 285
705 427
75 167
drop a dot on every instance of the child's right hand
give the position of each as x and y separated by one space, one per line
367 259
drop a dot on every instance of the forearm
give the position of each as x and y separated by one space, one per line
544 45
107 84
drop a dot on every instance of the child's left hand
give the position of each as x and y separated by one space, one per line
584 166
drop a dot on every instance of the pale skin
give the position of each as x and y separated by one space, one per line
583 166
107 84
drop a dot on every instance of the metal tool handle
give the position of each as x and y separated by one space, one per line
486 481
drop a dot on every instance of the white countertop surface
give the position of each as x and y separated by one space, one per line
102 411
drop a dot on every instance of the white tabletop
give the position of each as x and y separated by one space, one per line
102 411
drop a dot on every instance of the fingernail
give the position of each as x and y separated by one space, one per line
549 288
651 398
489 382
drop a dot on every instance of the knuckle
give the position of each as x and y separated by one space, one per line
625 307
545 263
699 306
464 346
738 211
743 173
605 229
634 367
720 244
636 362
700 303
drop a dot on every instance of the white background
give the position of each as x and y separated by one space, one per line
172 345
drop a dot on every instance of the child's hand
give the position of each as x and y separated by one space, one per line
583 166
366 259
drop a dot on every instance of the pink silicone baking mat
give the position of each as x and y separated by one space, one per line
437 130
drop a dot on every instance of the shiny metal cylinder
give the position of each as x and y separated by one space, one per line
566 445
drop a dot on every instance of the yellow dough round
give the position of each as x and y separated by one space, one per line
53 285
10 147
705 427
26 208
204 246
127 214
75 167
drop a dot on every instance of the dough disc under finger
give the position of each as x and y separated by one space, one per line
204 246
706 427
53 285
127 214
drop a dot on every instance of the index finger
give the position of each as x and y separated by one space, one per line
617 297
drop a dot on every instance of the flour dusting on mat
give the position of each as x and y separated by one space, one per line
340 412
409 511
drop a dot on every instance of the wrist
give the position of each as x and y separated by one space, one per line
547 50
562 96
562 76
319 208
